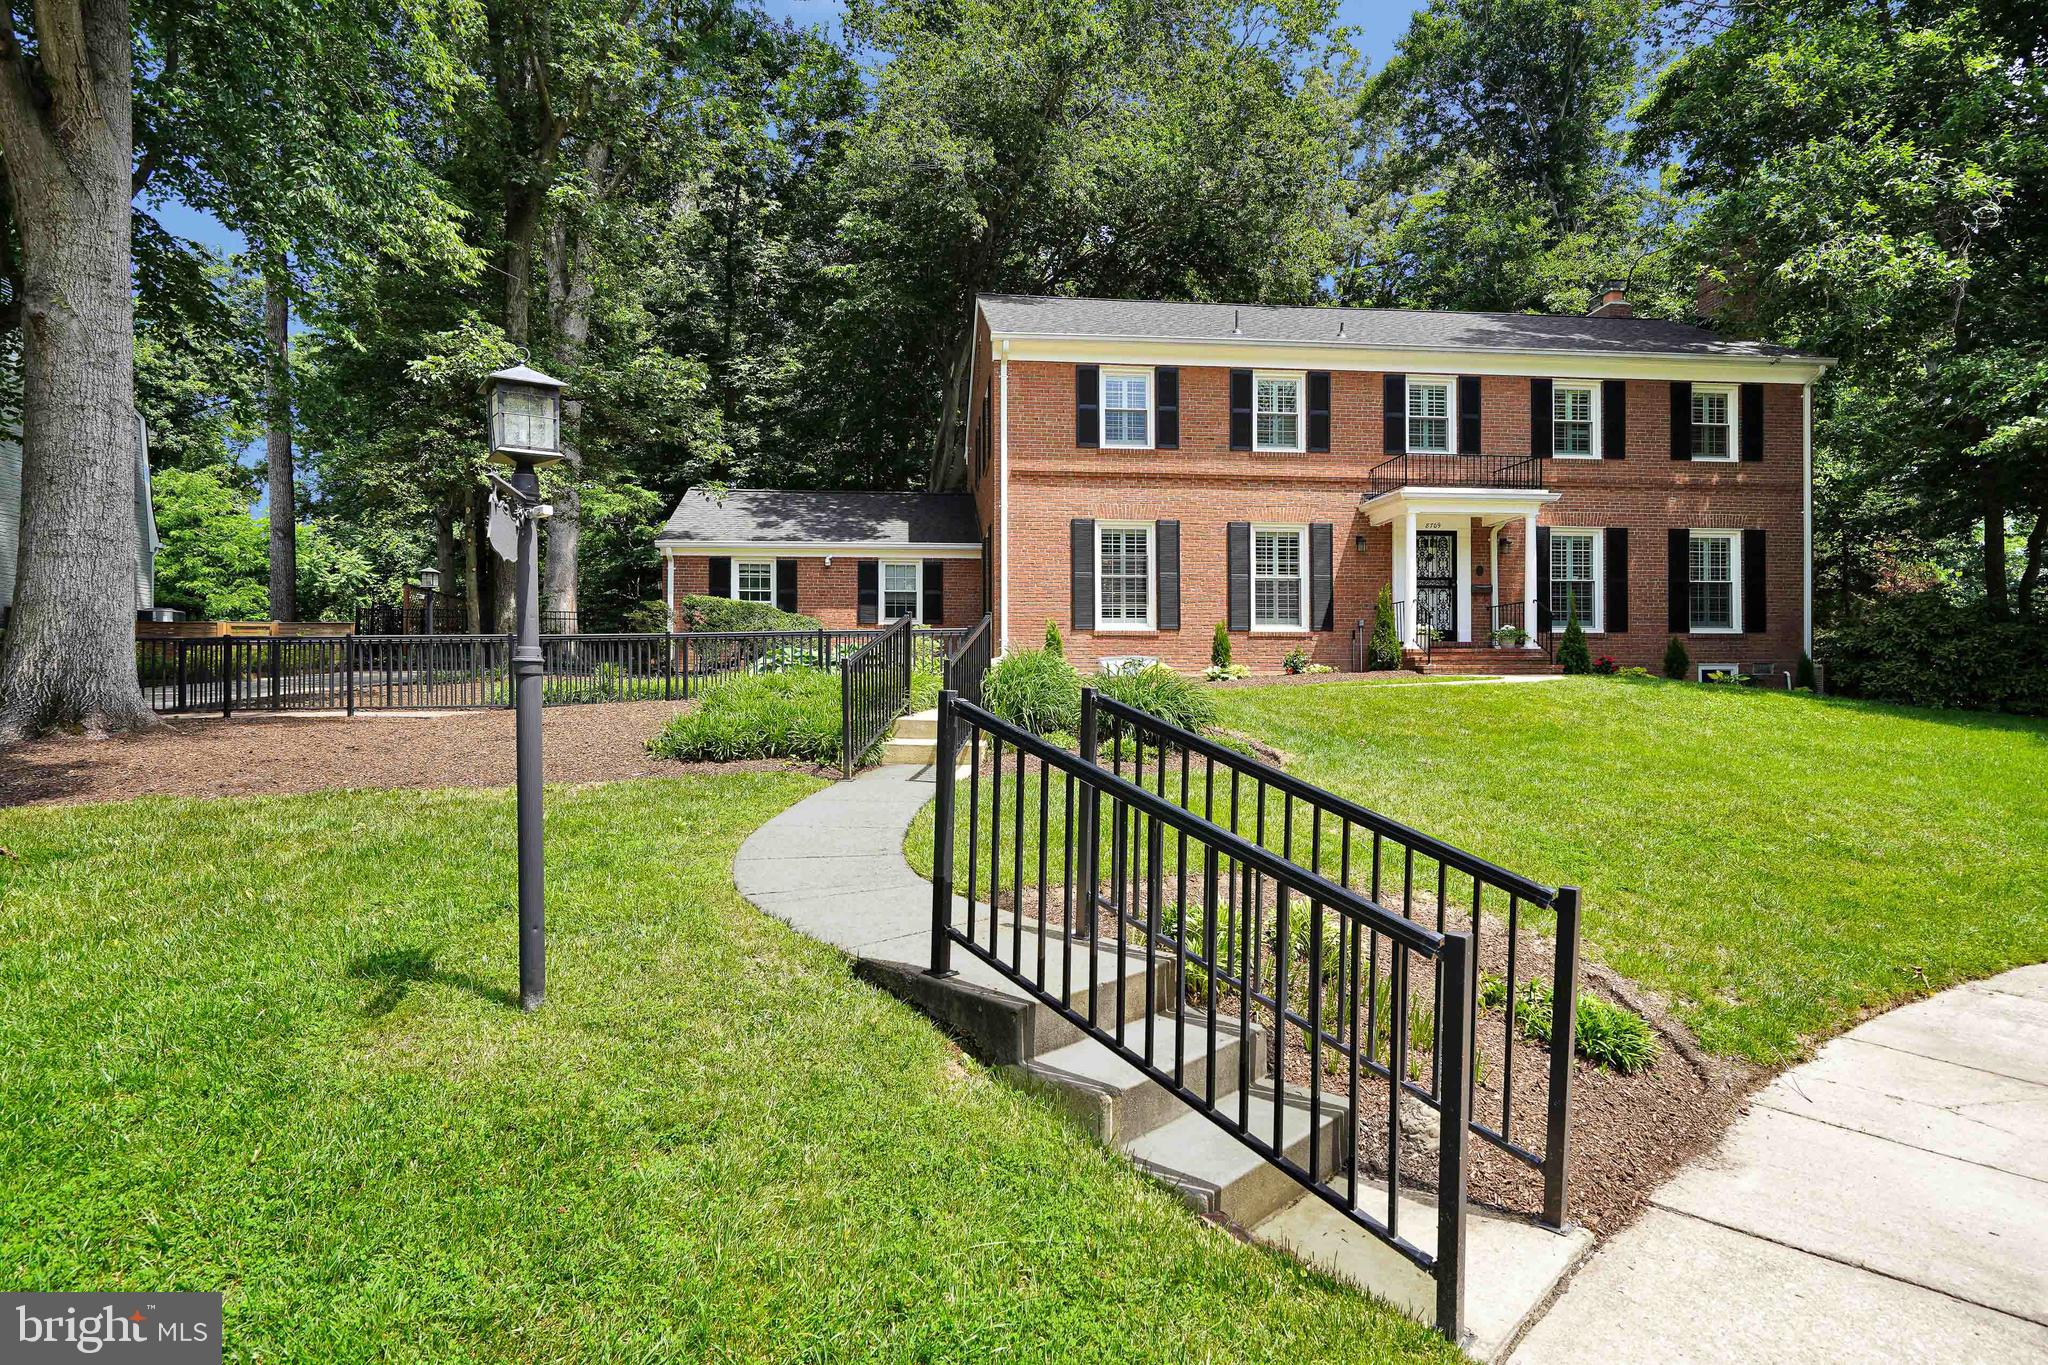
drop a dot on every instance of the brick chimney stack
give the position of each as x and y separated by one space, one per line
1613 302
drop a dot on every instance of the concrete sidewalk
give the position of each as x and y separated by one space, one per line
1888 1201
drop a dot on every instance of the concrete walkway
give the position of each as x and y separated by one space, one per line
1888 1201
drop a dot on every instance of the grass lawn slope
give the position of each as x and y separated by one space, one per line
266 1047
1777 864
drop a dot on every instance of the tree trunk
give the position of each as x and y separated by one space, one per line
570 290
472 585
564 546
1996 599
277 441
2030 577
68 658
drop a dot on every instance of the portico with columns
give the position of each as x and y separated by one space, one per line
1448 543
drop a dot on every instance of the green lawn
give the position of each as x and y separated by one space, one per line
266 1047
1776 863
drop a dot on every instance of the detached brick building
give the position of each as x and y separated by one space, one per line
1141 471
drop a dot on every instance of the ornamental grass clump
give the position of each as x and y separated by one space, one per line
1035 690
791 714
1606 1034
1159 691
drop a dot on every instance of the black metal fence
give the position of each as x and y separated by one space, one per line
968 663
1280 927
466 672
1508 627
874 687
1455 471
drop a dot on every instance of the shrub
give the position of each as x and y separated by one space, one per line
791 714
1224 672
1572 653
1296 660
1219 647
1158 690
1921 649
723 613
1605 1034
1606 665
1509 637
1383 652
1634 673
1053 643
1805 677
1677 663
1034 689
646 618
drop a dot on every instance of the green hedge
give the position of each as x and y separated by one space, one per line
1924 650
723 613
791 714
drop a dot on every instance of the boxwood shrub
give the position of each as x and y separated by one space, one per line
723 613
1923 649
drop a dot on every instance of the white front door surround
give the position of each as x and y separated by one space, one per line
1413 511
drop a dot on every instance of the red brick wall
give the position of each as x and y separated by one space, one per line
832 592
1205 485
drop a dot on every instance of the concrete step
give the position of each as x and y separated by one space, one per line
917 725
1217 1174
1116 1101
921 752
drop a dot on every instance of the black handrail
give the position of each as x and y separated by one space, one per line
1249 992
1439 470
874 688
967 663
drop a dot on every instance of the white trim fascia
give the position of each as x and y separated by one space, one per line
812 549
1455 502
1248 353
1003 504
1806 516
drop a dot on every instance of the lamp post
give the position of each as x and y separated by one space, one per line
525 409
430 583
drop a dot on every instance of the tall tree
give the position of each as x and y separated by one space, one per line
66 137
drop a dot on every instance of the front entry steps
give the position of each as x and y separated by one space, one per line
1512 1264
914 739
1485 659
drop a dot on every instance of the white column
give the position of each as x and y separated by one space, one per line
1461 594
1529 578
1404 578
1493 579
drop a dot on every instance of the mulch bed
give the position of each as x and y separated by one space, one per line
257 755
1629 1133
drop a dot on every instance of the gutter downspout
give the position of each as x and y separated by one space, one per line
1003 516
1806 515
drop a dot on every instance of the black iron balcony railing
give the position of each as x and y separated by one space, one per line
1455 471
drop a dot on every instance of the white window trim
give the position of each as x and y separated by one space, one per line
1450 384
1700 671
1103 376
1300 533
1734 394
1598 625
739 564
882 568
1593 386
1299 378
1151 621
1734 582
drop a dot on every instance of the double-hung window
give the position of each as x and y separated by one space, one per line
1575 578
1429 416
753 580
1123 576
1279 587
1127 407
900 589
1713 600
1276 412
1713 423
1574 418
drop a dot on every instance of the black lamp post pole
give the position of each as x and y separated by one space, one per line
526 682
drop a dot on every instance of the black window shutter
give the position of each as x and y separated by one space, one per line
1681 420
1240 409
1469 435
1240 571
1751 421
1680 618
1542 417
1318 409
1166 568
1614 610
934 592
721 576
1087 405
785 584
868 592
1081 565
1614 419
1166 407
1753 580
1319 575
1543 621
1394 398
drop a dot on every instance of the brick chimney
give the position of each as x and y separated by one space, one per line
1613 302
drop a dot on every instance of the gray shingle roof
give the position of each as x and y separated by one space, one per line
771 516
1390 328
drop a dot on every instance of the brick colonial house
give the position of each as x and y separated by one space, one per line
1141 471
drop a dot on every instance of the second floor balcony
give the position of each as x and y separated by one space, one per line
1519 472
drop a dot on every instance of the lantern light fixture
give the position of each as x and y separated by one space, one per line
525 417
